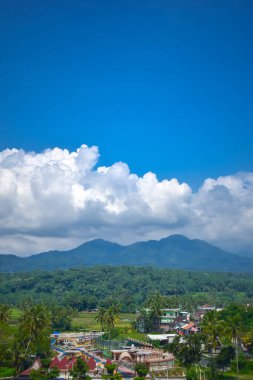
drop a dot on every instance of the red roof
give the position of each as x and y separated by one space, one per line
72 362
26 372
91 364
64 364
55 362
108 361
189 326
36 365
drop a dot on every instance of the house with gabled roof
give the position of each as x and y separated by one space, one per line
26 373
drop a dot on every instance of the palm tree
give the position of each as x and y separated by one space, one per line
234 329
112 316
33 323
155 304
213 328
5 313
101 317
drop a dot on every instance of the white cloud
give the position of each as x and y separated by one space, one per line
57 199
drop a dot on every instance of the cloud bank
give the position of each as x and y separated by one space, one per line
58 199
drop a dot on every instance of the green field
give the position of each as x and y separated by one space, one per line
15 313
86 320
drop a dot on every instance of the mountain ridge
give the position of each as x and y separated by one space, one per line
175 252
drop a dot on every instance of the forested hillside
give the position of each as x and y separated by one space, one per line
90 287
175 251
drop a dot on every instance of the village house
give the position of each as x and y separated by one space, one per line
171 317
167 319
25 374
64 364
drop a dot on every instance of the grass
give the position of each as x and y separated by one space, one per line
15 314
7 372
137 335
239 377
87 321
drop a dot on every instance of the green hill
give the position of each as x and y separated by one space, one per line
176 251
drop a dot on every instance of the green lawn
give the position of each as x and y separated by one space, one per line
87 321
7 372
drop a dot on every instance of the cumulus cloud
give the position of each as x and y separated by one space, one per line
58 199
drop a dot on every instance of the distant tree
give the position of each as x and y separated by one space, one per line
6 343
79 371
111 372
188 350
234 328
247 339
5 313
155 303
110 368
141 369
214 329
111 316
101 317
34 324
225 356
192 374
61 317
213 371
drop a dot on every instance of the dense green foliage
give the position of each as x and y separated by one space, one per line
187 351
28 337
141 369
91 287
79 371
108 317
111 372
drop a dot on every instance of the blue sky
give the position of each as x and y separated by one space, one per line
165 86
154 86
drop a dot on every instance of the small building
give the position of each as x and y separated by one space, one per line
205 308
154 359
189 328
25 375
167 317
162 338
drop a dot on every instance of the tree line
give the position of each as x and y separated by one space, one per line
90 288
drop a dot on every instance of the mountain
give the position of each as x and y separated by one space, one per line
176 251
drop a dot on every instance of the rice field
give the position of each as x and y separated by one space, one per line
86 320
